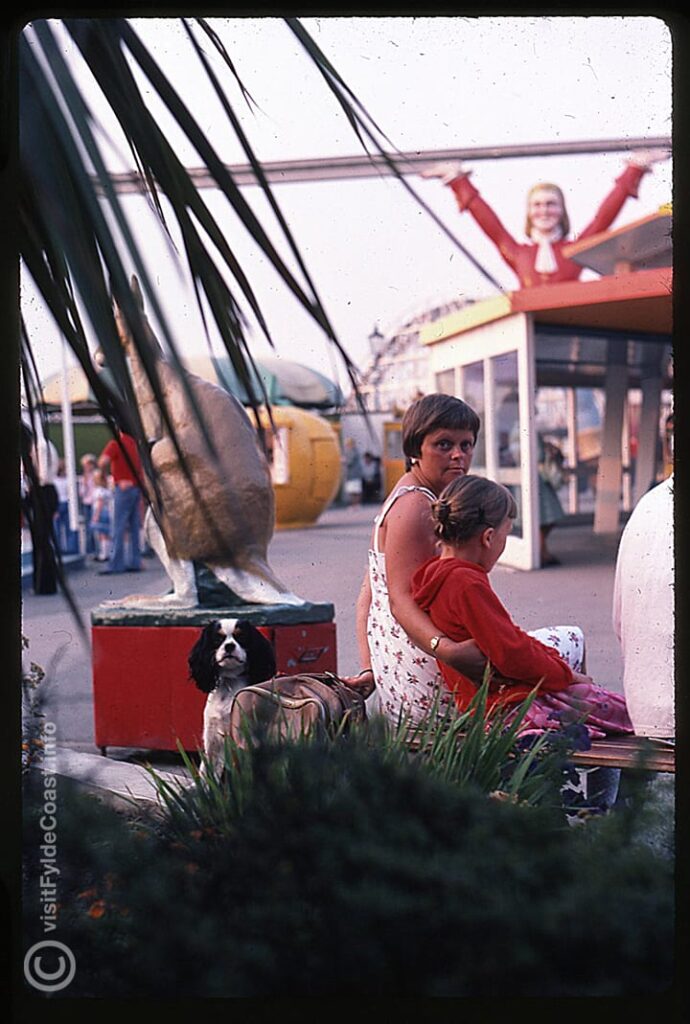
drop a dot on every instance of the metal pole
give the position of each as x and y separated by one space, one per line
571 418
376 166
68 446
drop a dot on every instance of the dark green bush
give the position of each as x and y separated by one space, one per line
350 874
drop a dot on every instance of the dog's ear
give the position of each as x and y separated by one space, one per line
202 664
261 661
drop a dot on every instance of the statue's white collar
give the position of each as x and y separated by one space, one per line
545 262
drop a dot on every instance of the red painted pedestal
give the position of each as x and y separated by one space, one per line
143 696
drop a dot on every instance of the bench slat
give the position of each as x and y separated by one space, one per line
628 752
619 752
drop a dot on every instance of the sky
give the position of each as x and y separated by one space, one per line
430 83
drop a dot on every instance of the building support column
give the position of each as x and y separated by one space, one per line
648 436
571 419
609 473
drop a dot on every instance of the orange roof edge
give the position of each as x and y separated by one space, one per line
605 292
638 284
583 244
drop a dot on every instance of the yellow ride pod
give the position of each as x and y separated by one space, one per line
393 455
305 465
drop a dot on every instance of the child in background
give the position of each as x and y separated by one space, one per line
86 485
473 517
67 538
101 519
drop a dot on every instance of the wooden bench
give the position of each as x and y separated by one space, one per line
652 755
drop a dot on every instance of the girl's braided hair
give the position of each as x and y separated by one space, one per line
468 505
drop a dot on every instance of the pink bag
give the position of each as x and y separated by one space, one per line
605 712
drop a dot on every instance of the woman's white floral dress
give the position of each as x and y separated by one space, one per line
407 680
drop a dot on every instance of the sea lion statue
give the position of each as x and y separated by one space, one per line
220 518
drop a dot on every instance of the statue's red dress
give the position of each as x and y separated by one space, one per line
521 257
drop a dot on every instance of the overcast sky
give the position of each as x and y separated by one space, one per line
429 83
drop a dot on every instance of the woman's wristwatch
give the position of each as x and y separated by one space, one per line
436 640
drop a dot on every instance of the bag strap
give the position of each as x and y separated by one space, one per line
349 697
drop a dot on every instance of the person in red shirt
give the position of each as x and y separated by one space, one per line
540 260
121 455
473 517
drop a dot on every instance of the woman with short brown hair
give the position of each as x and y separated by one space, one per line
397 641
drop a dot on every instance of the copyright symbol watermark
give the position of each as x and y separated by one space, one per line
58 971
49 965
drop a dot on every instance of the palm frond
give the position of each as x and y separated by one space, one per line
366 128
75 237
61 211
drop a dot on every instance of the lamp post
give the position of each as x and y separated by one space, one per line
68 445
375 338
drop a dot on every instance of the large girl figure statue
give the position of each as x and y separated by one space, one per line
540 260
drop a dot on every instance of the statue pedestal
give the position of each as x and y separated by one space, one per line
143 696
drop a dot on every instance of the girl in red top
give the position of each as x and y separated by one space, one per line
540 259
473 517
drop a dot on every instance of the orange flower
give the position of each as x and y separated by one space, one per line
503 797
97 909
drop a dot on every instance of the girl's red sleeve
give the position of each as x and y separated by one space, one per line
511 651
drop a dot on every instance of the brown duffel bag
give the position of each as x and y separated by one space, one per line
288 707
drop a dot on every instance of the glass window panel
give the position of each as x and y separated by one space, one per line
445 382
570 352
505 371
590 406
505 377
516 491
473 394
551 423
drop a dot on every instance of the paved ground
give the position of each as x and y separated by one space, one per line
324 563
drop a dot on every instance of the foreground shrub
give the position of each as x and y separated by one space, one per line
469 748
349 873
483 747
